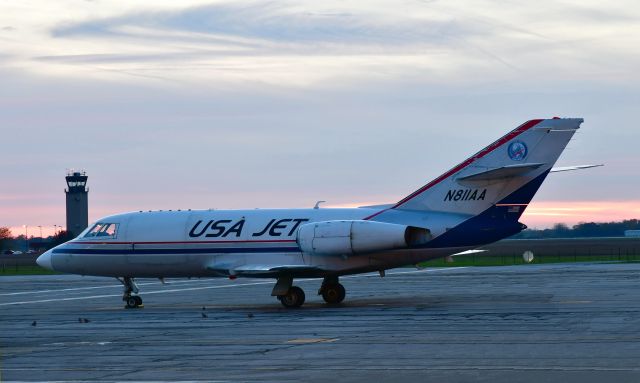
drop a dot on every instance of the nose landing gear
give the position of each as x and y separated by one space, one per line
131 301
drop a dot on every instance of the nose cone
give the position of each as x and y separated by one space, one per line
45 260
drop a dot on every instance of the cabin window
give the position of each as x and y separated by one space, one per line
103 230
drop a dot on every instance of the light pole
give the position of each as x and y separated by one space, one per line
26 236
40 226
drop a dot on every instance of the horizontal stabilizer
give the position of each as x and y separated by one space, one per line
503 172
569 168
550 130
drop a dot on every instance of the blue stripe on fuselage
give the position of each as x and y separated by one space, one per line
217 250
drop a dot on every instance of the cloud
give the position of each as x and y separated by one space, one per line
305 43
274 22
285 34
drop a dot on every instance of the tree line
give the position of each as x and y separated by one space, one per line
581 230
9 241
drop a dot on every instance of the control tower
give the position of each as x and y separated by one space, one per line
77 202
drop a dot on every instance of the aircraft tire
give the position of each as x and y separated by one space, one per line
333 293
138 300
131 302
294 298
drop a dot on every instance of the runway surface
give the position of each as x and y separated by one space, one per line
569 322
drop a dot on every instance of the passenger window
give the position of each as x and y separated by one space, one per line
103 230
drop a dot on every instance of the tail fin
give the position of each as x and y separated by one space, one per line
506 173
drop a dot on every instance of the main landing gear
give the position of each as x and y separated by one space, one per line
332 291
293 296
131 301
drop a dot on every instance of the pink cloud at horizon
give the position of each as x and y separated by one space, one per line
34 231
542 214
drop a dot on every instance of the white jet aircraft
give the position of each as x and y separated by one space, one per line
477 202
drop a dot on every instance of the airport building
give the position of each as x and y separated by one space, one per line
77 202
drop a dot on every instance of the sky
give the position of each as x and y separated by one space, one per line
231 104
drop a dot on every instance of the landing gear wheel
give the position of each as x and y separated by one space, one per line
294 298
333 293
132 302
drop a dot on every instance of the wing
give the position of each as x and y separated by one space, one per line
260 270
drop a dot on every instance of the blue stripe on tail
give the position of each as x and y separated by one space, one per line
493 224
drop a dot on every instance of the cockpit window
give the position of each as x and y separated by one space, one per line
103 230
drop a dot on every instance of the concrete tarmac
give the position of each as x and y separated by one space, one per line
568 322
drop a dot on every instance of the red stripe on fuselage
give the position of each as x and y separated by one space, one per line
179 242
506 138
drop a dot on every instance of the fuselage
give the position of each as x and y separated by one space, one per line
200 243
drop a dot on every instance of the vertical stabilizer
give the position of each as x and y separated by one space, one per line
508 172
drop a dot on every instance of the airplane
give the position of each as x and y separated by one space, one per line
477 202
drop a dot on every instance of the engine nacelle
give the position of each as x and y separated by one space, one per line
357 237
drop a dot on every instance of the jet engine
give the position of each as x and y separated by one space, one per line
358 237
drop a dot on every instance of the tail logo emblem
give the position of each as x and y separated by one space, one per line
517 150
